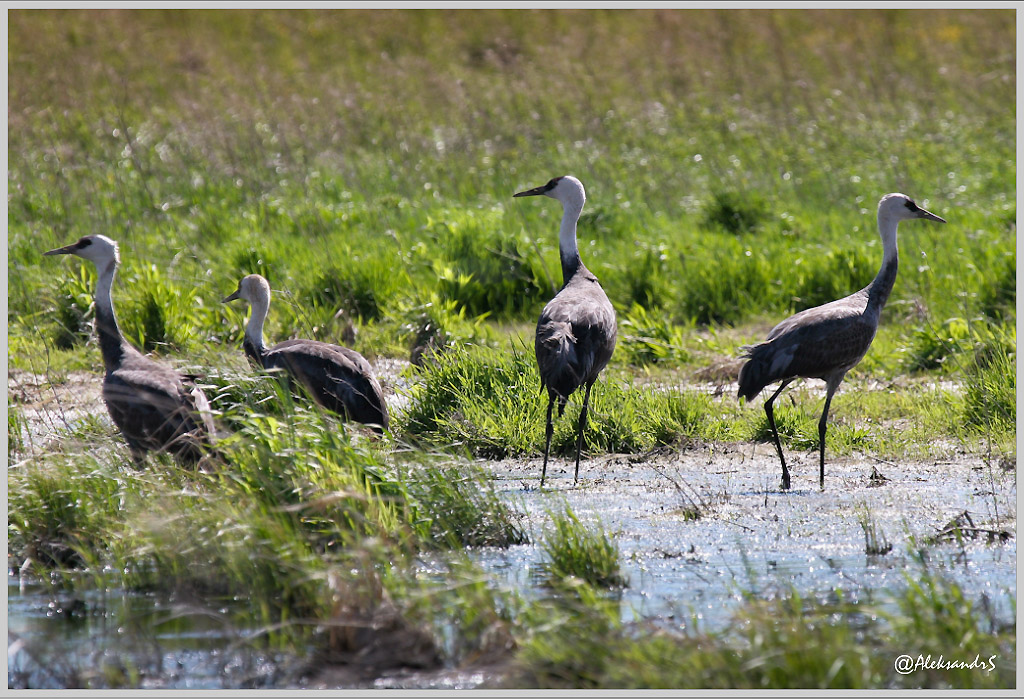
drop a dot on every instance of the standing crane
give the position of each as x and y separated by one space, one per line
576 332
827 341
340 379
150 403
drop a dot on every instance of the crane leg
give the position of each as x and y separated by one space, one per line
769 411
822 427
582 426
547 439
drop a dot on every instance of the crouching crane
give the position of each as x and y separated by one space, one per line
338 378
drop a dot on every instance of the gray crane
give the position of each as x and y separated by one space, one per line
576 332
827 341
338 378
155 407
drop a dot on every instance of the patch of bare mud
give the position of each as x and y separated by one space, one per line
51 408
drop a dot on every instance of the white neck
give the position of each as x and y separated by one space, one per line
887 225
881 286
104 283
112 345
258 315
567 246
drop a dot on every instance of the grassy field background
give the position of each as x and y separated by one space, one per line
365 161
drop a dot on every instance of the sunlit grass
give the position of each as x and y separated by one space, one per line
488 401
827 643
576 553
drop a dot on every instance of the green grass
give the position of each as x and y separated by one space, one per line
300 183
488 401
296 501
828 643
576 554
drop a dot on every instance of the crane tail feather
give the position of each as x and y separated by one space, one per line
756 373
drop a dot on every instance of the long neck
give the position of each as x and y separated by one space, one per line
112 344
881 287
567 247
253 343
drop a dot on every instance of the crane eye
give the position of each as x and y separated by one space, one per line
912 206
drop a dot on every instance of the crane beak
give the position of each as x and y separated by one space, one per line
922 213
66 250
543 189
232 297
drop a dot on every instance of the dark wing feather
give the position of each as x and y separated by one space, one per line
576 336
155 411
335 379
819 343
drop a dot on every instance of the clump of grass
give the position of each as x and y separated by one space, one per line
931 348
60 510
463 508
487 401
485 270
472 396
157 311
648 285
15 431
875 541
734 213
72 313
825 276
577 553
295 501
997 299
827 643
437 325
797 425
725 292
361 288
646 338
990 393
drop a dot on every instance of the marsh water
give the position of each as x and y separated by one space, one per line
700 530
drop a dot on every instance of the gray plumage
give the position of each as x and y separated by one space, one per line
338 378
154 407
827 341
576 332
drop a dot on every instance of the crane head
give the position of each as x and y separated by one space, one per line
251 288
901 207
98 248
566 189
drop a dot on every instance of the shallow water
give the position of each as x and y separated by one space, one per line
110 639
750 538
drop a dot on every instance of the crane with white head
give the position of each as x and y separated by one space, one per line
338 378
576 332
154 406
827 341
